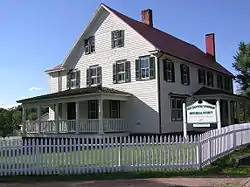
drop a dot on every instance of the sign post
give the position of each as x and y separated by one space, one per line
201 114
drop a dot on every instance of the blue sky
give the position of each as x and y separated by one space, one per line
37 35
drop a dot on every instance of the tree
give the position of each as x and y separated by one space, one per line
242 66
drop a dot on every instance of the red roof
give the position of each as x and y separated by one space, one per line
58 67
172 45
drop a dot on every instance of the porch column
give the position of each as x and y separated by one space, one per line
100 116
218 113
57 117
24 119
77 118
38 112
238 111
229 112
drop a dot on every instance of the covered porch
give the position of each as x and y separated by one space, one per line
92 110
229 104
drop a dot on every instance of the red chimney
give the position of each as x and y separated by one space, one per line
146 17
210 45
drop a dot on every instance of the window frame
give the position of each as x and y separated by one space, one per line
202 73
93 109
118 73
146 69
96 77
89 43
219 81
176 109
114 113
117 36
169 70
73 79
210 76
185 74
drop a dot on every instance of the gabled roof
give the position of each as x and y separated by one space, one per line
74 92
170 44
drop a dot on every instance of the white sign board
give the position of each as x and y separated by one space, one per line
201 113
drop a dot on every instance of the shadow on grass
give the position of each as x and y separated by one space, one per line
221 168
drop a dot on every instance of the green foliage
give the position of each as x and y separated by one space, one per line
11 119
242 66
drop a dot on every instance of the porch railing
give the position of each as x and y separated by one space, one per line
70 126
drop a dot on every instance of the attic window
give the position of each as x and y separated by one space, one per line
117 38
89 45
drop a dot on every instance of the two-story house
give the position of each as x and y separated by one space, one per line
126 76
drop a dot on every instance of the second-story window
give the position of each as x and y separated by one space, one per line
121 71
219 81
89 45
145 68
210 79
117 38
228 83
94 75
201 76
168 70
73 79
185 77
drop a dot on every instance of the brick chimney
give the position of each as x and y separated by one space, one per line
146 17
210 45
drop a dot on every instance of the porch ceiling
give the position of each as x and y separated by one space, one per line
217 93
76 93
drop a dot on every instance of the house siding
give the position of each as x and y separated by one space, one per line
141 111
167 124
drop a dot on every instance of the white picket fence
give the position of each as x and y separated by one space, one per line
98 155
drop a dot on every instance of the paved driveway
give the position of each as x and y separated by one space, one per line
219 182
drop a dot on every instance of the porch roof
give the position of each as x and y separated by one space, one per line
209 91
75 92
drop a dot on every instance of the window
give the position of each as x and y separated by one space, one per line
114 107
121 71
73 79
89 45
210 79
201 76
145 68
176 108
117 38
228 83
185 79
94 75
92 109
169 74
219 81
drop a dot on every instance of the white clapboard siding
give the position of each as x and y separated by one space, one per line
53 156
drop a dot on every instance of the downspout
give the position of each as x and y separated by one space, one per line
159 88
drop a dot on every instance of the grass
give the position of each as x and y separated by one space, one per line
221 167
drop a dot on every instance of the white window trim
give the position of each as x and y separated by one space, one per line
73 80
116 38
147 69
95 68
176 109
121 72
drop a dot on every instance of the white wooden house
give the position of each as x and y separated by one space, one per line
125 76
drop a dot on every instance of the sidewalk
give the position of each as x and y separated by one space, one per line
162 182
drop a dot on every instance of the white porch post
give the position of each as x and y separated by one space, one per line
229 112
218 113
238 111
24 119
77 118
57 117
100 105
39 118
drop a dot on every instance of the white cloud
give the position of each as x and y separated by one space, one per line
34 89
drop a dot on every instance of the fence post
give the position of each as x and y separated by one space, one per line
209 150
198 152
234 140
120 154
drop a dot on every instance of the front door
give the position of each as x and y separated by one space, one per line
71 111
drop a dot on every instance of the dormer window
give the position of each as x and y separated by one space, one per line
89 45
117 38
73 79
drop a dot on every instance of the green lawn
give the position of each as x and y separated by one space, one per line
140 155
